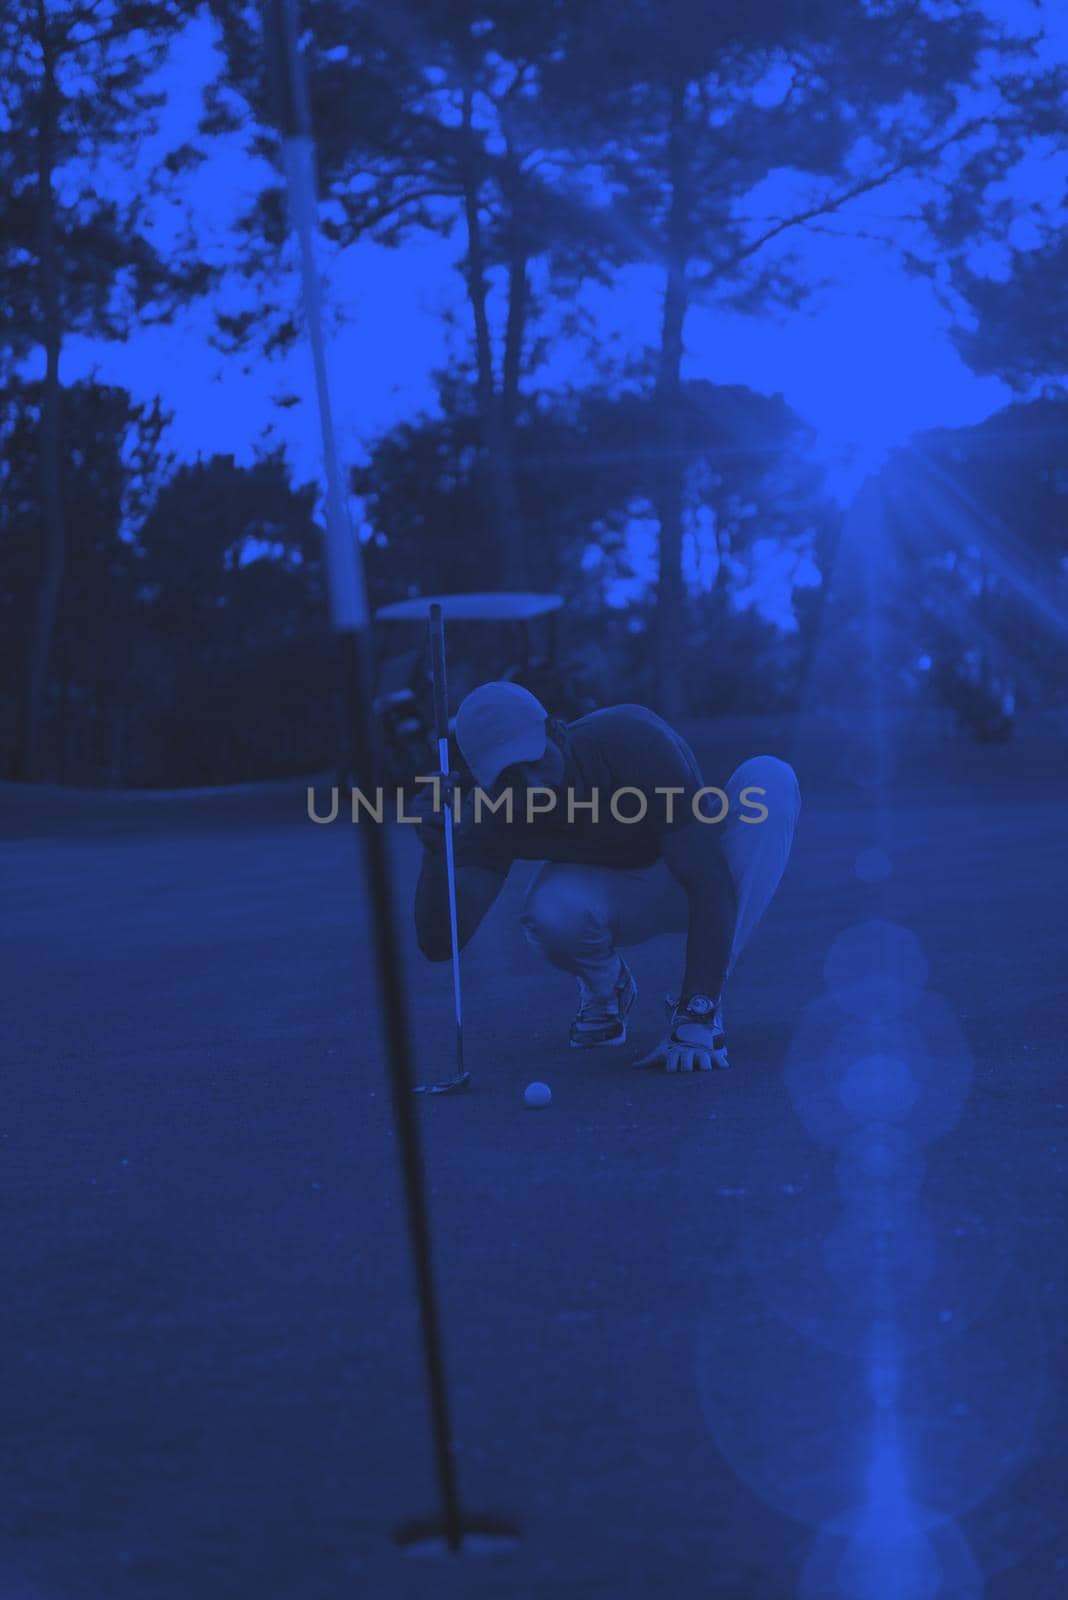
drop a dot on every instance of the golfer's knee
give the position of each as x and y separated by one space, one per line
555 917
766 782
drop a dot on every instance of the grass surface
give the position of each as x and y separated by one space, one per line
211 1374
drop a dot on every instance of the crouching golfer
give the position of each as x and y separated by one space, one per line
631 844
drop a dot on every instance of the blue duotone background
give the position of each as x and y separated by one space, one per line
742 329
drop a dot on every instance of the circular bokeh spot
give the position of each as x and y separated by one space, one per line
851 1557
877 1162
783 1253
876 969
873 866
896 1564
826 1046
878 1088
882 1253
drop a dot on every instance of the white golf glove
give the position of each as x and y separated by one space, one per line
694 1042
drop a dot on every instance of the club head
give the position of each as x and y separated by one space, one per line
447 1086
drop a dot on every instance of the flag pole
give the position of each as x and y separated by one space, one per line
351 625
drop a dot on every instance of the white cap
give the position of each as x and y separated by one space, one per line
498 724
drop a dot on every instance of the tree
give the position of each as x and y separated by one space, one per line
74 259
1002 231
981 516
234 653
111 465
691 110
427 118
569 138
1021 321
189 639
757 519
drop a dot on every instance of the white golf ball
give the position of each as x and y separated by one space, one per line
537 1094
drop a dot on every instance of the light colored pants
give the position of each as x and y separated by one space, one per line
577 916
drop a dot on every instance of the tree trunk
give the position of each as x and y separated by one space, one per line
517 564
498 473
477 287
46 602
515 330
825 555
671 622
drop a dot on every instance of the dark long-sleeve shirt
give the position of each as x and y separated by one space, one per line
624 747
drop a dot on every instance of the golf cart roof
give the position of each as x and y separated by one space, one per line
505 606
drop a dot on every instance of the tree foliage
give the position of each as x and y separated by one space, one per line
563 149
982 515
232 616
75 259
112 463
190 644
567 140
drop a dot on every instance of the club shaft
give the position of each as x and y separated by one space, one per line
454 928
440 685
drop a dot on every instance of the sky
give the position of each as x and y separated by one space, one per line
868 359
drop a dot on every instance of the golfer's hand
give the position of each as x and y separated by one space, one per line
688 1046
431 818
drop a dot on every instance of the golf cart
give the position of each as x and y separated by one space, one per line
510 637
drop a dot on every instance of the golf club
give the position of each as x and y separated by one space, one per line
461 1077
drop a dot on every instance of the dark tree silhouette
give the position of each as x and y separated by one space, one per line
686 109
587 467
427 117
111 465
73 260
234 641
982 517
